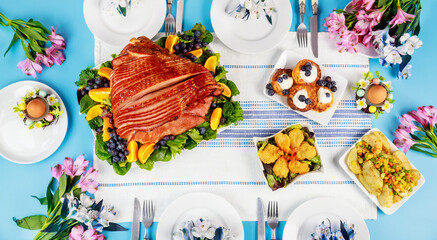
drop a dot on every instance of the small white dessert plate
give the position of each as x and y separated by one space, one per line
304 219
19 144
143 20
288 59
196 205
253 35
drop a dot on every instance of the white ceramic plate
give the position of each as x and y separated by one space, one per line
260 164
289 59
19 144
395 206
253 35
144 20
304 219
196 205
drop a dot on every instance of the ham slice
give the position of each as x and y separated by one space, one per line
155 93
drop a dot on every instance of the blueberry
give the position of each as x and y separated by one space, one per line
119 147
212 73
183 45
111 120
115 159
111 140
208 51
270 92
324 82
121 155
98 80
163 142
213 105
184 50
307 73
307 64
328 78
280 79
190 45
90 82
308 101
329 84
123 159
308 67
125 143
334 89
301 98
171 137
157 146
198 40
204 44
99 130
269 86
202 130
118 137
185 37
88 88
197 33
333 83
112 135
303 68
190 38
176 47
109 129
106 85
223 120
285 92
193 58
166 138
108 144
285 76
197 45
327 94
320 83
112 145
83 92
96 86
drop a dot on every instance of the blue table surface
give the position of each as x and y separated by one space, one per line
414 220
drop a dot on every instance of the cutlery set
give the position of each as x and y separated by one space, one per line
147 218
272 218
172 26
302 32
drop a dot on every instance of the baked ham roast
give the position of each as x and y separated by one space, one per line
155 93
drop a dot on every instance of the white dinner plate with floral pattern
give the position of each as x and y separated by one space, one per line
145 19
19 144
199 205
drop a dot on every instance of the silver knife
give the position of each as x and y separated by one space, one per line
179 15
135 234
261 221
315 28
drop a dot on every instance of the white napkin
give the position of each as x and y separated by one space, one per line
228 166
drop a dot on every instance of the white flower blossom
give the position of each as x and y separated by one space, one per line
387 106
363 83
361 103
410 44
52 99
392 55
406 73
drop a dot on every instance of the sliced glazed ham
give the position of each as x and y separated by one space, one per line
155 93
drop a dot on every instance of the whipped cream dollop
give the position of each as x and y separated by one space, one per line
297 102
324 95
311 78
286 83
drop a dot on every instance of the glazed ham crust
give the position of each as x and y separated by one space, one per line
155 93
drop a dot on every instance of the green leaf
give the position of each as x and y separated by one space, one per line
95 123
194 134
85 75
13 41
62 186
162 154
161 42
121 170
316 160
148 165
53 227
101 149
42 201
228 109
190 144
49 197
232 86
220 73
26 50
177 144
236 116
106 64
64 209
206 36
86 103
209 133
34 222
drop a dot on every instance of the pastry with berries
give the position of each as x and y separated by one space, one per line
280 82
302 97
306 72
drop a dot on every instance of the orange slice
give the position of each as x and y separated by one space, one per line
132 147
99 94
106 124
197 52
105 72
211 63
145 151
95 111
226 90
215 118
170 42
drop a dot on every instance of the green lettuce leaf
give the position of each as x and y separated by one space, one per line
86 103
100 148
95 123
121 170
177 144
85 75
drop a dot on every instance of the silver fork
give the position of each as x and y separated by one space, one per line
148 214
169 23
272 217
302 31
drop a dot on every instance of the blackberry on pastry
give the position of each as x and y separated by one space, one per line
306 72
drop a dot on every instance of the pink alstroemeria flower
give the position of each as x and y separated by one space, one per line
419 117
363 24
43 59
55 55
29 67
401 17
57 40
407 123
429 113
375 15
403 140
88 181
336 24
348 42
75 168
78 233
57 171
359 4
